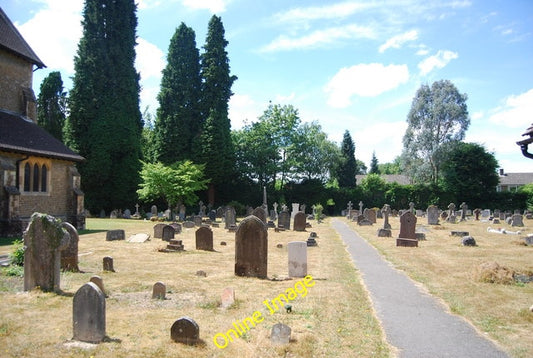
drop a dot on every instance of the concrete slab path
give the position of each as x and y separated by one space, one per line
415 322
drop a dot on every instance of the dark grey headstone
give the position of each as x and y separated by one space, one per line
69 256
204 239
113 235
158 230
185 330
168 233
468 241
284 220
251 248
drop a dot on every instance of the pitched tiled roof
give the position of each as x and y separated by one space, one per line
516 178
12 40
19 135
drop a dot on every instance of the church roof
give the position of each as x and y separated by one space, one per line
12 40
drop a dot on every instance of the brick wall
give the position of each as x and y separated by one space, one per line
15 74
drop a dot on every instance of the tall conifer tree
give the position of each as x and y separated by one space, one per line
348 169
105 122
51 105
179 120
216 146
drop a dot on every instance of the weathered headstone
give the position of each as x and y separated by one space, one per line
185 330
280 334
251 248
311 240
433 215
386 212
229 217
297 258
153 211
127 214
517 220
159 290
44 239
158 230
464 208
69 256
97 280
113 235
260 213
108 264
140 237
451 213
299 221
197 220
177 228
204 239
88 314
407 236
371 215
468 241
284 220
168 233
295 209
228 297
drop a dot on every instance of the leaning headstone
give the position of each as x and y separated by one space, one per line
517 220
69 256
299 221
185 330
297 258
433 215
260 213
407 236
141 237
97 280
251 248
168 233
284 220
113 235
159 290
44 239
204 239
108 264
158 230
228 297
88 314
280 334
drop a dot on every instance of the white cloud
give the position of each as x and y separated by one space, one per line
54 32
285 99
147 4
319 38
385 138
339 10
439 60
517 112
365 80
398 40
150 60
242 109
214 6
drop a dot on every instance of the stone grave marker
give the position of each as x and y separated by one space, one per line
485 214
295 209
407 236
168 233
212 215
113 235
229 217
127 214
88 314
158 230
468 241
153 211
517 220
251 248
108 264
204 239
297 258
44 239
311 240
464 209
159 290
260 213
228 297
451 213
284 220
299 221
69 256
197 220
185 330
97 280
433 215
188 224
280 334
371 215
141 237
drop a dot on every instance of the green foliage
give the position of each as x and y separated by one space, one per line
374 168
348 167
179 120
438 115
13 270
52 105
391 168
175 184
528 191
318 208
17 253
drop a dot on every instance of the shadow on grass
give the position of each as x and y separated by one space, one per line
85 232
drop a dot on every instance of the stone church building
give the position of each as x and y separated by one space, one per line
37 171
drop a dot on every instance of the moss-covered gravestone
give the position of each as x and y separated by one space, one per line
44 239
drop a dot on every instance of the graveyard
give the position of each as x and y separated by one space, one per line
147 290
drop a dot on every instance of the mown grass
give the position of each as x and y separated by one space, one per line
334 319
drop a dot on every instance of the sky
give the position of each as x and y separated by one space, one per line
348 65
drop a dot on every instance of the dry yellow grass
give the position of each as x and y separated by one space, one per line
335 319
452 272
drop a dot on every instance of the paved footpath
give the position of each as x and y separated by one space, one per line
414 322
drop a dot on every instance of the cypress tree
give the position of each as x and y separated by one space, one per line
179 122
374 168
105 122
51 105
348 169
216 146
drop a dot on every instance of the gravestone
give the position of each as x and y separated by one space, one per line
384 232
158 230
260 213
251 248
451 213
159 290
311 240
177 228
141 237
407 236
476 213
212 215
468 241
228 297
197 220
153 211
371 215
297 258
295 209
280 334
88 314
188 224
44 239
299 221
517 220
204 239
127 214
485 214
464 208
113 235
69 256
108 264
284 220
185 330
229 217
360 207
97 280
168 233
433 215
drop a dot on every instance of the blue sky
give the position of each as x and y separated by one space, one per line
350 65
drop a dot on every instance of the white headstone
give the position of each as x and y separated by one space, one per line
297 258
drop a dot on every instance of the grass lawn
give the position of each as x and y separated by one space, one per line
334 319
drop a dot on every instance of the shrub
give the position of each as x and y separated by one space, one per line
17 255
